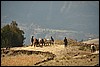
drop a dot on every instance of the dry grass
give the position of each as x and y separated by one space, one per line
20 60
70 42
63 56
59 42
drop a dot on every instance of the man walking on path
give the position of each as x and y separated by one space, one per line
65 42
32 40
52 40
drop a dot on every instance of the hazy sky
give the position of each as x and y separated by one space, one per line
71 15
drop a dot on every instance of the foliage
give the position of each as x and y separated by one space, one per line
11 35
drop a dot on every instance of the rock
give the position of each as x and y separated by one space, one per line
90 59
3 55
93 56
75 55
57 60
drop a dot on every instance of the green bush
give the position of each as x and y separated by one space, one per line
11 35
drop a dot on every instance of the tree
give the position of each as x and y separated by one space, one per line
12 36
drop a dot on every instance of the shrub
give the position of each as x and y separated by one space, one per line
11 35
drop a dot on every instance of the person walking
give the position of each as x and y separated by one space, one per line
65 42
52 40
32 40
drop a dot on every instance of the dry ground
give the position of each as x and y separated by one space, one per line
65 56
20 60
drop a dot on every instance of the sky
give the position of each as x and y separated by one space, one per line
64 15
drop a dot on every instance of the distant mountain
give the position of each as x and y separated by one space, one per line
56 18
39 32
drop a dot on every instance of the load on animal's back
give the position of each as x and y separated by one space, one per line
41 41
35 42
49 41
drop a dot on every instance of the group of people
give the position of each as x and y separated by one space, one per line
51 41
39 41
43 41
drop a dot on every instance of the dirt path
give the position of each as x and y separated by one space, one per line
65 56
69 56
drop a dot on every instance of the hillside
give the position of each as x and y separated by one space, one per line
64 56
95 41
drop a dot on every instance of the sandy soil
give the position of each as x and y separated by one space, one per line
65 56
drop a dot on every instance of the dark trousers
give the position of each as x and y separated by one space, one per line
65 44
